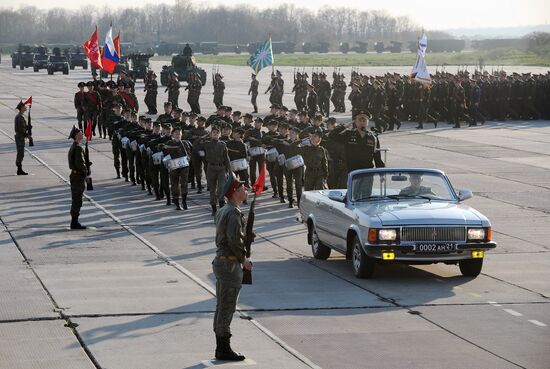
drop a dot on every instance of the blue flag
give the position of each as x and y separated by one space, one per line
261 57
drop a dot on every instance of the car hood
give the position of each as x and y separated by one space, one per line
414 212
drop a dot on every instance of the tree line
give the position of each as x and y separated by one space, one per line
185 21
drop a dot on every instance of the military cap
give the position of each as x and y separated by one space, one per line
201 119
331 120
363 114
228 108
111 84
148 120
258 120
81 84
230 186
275 106
239 130
89 83
273 122
175 74
293 111
168 103
283 125
176 128
214 128
303 113
295 129
317 132
20 105
117 105
318 117
248 115
102 83
167 125
156 123
226 126
178 110
284 108
237 113
74 131
192 114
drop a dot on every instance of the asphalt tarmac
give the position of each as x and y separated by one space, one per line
135 290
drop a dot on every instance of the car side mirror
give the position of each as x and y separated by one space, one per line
464 194
337 196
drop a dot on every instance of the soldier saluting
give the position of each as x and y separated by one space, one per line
20 135
228 264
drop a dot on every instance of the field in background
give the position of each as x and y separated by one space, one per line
495 57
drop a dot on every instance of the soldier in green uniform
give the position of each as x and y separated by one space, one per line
311 101
20 135
324 95
228 265
218 166
198 155
177 148
173 89
151 88
253 91
337 171
79 171
219 89
315 158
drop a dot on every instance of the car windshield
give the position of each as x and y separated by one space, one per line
41 57
401 185
57 59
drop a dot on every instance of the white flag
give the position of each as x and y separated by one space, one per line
420 69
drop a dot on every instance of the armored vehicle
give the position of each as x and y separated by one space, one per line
183 64
139 65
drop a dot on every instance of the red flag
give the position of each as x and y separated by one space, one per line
89 129
91 47
258 186
29 101
116 41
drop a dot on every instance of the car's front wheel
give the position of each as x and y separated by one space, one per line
319 250
470 267
363 265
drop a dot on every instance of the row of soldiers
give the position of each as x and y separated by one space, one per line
167 156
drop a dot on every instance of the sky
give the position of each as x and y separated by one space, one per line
430 14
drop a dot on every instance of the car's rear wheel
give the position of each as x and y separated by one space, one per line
363 265
470 267
319 250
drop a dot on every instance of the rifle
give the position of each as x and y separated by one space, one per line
29 127
247 274
89 184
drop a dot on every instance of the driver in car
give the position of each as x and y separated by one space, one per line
415 189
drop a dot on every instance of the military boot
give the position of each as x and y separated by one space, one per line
117 172
282 199
184 201
20 171
214 209
224 350
221 203
177 202
75 224
168 202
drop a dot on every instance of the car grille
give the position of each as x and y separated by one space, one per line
433 234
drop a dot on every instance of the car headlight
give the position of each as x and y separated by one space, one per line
476 234
387 234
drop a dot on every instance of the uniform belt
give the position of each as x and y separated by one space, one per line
230 257
77 172
217 164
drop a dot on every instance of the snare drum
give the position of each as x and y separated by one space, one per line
157 158
124 142
142 147
281 159
305 142
272 154
177 163
256 151
166 160
134 145
202 154
149 151
239 164
294 162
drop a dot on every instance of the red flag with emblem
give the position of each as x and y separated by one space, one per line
91 47
259 185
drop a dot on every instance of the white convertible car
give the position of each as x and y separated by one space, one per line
409 215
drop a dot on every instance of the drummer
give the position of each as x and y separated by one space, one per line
267 141
257 157
180 151
237 155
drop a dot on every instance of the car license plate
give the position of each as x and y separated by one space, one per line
435 248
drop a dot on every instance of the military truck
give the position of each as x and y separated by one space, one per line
77 58
40 58
139 65
183 64
57 63
206 48
23 57
344 47
319 47
395 47
379 47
